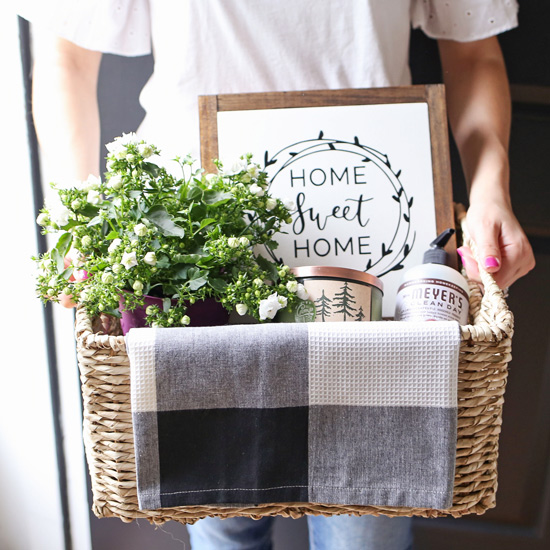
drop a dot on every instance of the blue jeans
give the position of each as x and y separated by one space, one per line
332 533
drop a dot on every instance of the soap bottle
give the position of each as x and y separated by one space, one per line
433 291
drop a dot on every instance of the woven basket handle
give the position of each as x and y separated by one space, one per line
491 308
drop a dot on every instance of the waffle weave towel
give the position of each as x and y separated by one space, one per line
340 413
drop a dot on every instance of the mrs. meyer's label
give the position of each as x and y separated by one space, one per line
431 300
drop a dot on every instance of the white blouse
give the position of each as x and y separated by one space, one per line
228 46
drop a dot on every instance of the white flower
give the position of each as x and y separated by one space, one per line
283 271
233 242
137 286
130 157
302 292
253 170
140 230
237 167
269 307
289 204
93 196
86 241
241 309
42 219
255 189
129 259
292 286
244 241
257 282
115 182
282 301
119 144
145 150
117 268
92 182
270 203
75 255
107 278
150 258
59 214
114 245
185 320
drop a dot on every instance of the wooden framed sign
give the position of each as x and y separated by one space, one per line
367 170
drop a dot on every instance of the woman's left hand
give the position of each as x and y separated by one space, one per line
503 248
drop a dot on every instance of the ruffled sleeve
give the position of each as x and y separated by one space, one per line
121 27
464 20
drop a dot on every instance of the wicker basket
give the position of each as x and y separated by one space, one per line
109 440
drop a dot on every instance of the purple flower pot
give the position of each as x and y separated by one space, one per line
203 313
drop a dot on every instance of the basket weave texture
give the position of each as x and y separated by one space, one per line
109 440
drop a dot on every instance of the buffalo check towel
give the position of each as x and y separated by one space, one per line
337 413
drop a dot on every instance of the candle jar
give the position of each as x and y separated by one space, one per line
336 294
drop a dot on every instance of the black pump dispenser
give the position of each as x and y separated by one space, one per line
436 254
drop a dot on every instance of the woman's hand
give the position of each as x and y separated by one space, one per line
502 246
66 300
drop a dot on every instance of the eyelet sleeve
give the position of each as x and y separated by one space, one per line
120 27
464 20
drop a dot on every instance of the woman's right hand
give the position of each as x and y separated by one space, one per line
66 300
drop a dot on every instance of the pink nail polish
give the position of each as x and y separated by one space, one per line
491 261
461 254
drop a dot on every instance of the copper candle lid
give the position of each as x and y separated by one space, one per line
337 273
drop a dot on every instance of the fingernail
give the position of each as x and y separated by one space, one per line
461 254
491 261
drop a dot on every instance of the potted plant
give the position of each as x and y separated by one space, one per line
182 239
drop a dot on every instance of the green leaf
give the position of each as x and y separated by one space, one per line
153 169
204 223
59 260
193 272
163 262
95 221
71 224
112 235
215 198
89 211
197 212
218 285
67 273
64 243
166 304
187 258
162 219
181 272
195 284
268 266
194 192
272 245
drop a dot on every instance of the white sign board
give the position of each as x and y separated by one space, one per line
360 177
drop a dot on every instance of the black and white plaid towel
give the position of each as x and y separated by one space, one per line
341 413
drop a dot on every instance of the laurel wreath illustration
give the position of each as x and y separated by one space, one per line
397 246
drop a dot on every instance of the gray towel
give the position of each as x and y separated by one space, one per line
340 413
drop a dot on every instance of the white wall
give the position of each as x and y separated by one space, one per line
30 513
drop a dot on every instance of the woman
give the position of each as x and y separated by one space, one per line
226 46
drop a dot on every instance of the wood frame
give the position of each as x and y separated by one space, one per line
433 95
